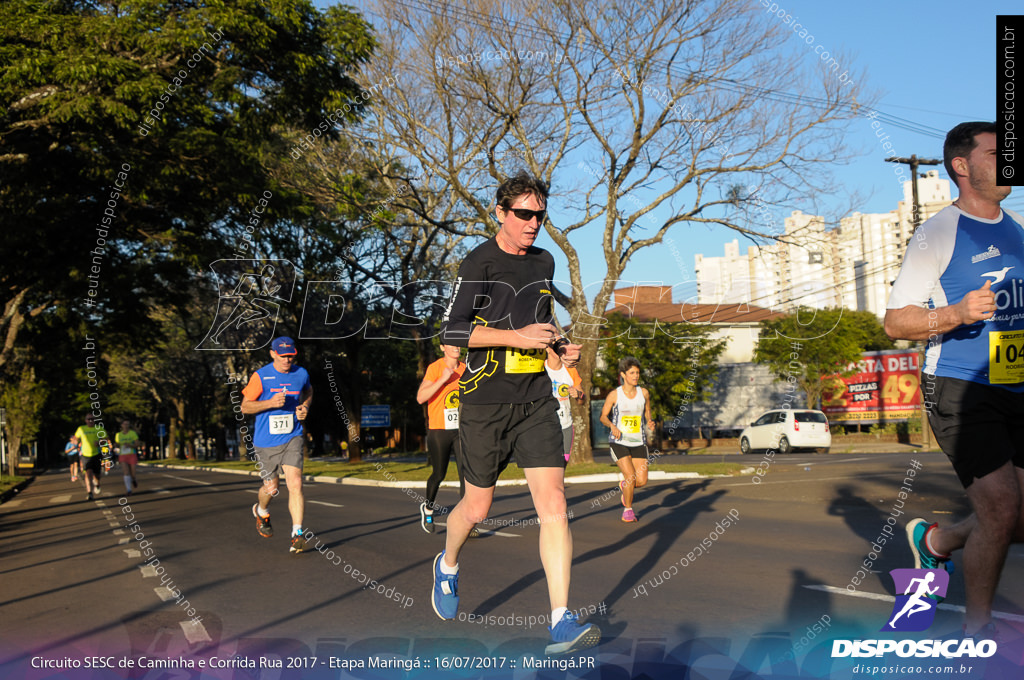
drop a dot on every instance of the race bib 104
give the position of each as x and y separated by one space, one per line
1005 357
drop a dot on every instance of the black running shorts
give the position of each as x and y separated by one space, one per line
979 427
492 433
620 451
94 463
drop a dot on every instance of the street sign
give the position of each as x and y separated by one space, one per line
161 430
375 415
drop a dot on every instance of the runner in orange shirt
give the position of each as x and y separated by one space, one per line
440 391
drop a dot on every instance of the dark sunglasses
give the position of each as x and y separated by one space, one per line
526 215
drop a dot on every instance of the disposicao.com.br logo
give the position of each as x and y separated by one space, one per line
918 593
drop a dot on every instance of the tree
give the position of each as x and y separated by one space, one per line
130 137
807 347
677 360
23 404
645 117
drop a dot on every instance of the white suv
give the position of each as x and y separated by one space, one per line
786 430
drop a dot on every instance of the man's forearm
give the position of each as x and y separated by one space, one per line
482 336
919 323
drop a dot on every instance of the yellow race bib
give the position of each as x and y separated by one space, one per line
524 360
1005 357
630 424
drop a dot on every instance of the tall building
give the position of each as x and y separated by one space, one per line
852 265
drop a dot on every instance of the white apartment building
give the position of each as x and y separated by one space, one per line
851 265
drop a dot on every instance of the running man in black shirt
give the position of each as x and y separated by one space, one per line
501 309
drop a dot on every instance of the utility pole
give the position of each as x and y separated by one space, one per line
914 162
915 221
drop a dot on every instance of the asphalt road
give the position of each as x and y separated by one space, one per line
774 569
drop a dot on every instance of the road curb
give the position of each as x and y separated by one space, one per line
15 490
653 475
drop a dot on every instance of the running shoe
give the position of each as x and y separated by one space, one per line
426 519
628 515
445 596
924 558
567 636
262 523
96 489
135 484
298 542
74 478
88 496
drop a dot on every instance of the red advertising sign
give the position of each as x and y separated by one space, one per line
884 389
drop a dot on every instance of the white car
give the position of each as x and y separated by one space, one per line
787 429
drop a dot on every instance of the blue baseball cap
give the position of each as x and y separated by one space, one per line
284 347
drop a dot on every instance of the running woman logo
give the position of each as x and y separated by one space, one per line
250 295
915 608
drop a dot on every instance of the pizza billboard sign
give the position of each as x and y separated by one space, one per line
884 388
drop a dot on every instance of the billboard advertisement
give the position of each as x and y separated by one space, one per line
885 388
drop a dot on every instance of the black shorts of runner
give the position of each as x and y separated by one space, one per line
620 451
492 433
979 427
94 463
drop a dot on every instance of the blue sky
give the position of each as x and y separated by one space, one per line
931 63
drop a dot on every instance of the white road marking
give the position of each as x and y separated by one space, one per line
131 552
484 531
148 571
13 504
122 541
60 499
114 525
164 593
120 532
195 632
793 481
831 462
186 479
332 505
889 598
161 490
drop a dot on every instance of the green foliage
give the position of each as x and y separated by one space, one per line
677 360
811 344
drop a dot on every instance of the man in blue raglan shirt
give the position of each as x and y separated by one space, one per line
961 289
279 395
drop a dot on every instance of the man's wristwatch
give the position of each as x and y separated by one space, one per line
559 346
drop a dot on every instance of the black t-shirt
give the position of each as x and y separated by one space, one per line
503 291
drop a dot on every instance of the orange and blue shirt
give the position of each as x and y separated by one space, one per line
277 426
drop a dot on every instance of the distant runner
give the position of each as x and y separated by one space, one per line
279 395
128 443
629 406
87 437
565 386
71 450
440 391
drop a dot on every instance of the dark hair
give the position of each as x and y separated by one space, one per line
628 363
960 141
517 185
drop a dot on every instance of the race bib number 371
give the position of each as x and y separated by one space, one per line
1005 357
